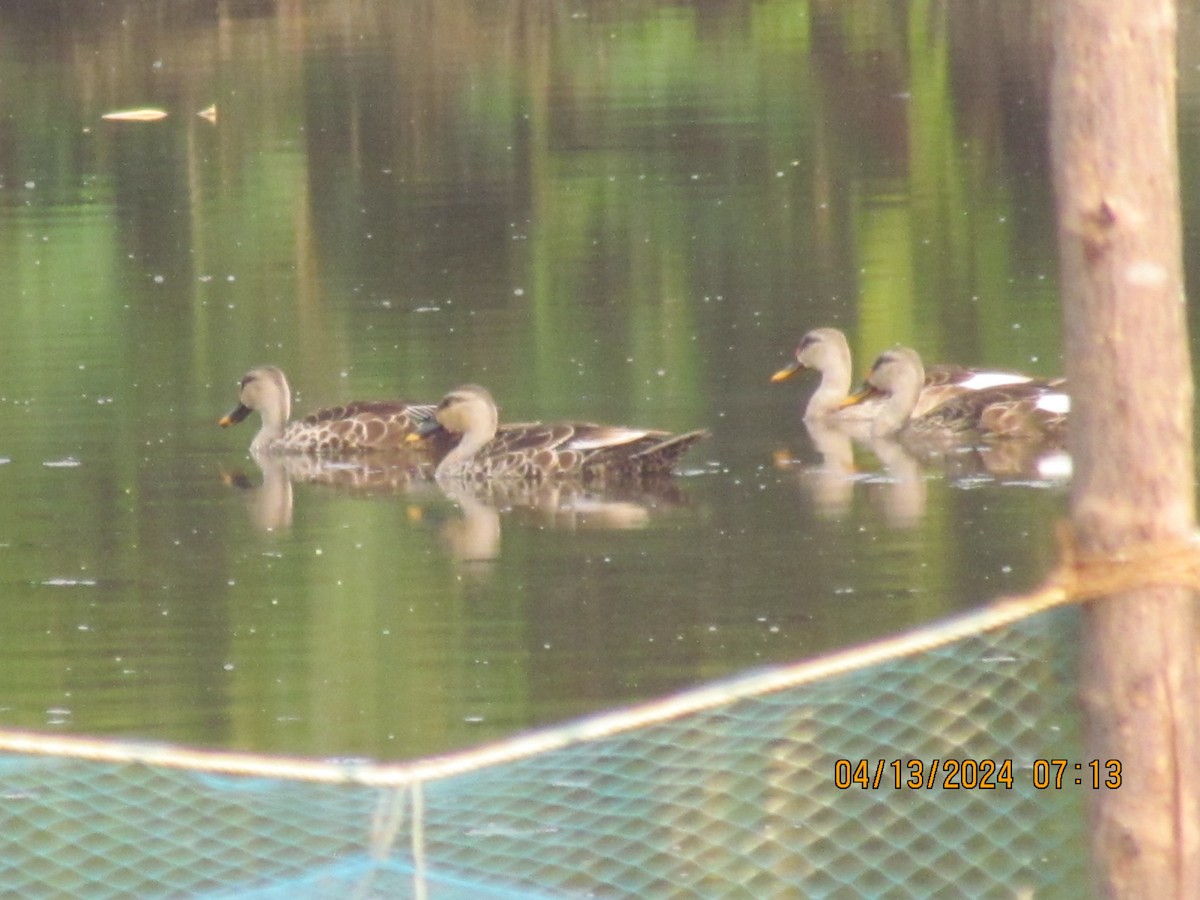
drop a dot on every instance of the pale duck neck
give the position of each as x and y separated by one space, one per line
481 422
267 436
275 408
833 389
458 460
832 360
902 398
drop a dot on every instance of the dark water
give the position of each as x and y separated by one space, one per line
623 213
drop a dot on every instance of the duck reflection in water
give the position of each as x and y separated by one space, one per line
570 505
473 535
898 491
271 502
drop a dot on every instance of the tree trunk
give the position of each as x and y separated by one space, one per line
1116 175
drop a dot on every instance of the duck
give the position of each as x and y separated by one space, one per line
1030 410
535 451
353 428
827 351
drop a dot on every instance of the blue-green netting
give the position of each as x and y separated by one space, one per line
734 801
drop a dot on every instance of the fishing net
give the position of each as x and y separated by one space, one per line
733 789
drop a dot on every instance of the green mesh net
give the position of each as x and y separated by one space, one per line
727 791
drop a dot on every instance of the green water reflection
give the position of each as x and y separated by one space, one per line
619 212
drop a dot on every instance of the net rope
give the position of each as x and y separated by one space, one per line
736 788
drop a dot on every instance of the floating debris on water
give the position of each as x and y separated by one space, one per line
135 115
67 462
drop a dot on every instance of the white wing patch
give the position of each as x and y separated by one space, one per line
608 437
1056 402
981 380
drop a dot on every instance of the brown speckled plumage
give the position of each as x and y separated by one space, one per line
538 451
359 427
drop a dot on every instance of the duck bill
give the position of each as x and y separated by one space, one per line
862 395
424 430
787 372
235 416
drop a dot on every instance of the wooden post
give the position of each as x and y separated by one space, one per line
1116 175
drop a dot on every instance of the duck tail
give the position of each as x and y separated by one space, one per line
661 457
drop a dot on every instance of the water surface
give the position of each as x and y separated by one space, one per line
623 213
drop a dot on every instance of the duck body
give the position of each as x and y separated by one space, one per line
827 351
1029 410
534 451
352 428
